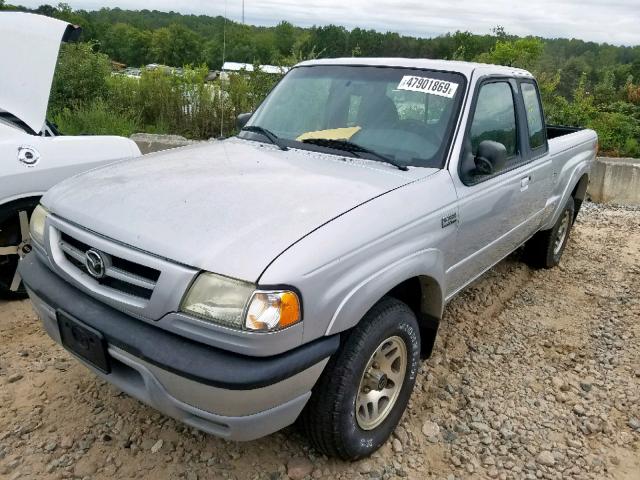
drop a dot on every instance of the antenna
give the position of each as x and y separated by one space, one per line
243 12
224 54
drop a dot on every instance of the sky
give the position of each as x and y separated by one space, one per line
611 21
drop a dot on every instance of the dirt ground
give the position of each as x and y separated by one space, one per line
536 374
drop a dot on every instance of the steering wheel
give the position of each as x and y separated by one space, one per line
419 128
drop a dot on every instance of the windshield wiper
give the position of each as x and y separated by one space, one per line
354 148
272 137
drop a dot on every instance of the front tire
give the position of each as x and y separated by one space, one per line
364 390
545 249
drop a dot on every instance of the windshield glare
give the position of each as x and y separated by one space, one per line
404 114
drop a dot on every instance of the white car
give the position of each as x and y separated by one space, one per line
33 155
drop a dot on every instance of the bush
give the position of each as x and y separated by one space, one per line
94 119
81 76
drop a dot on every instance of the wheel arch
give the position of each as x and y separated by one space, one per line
416 281
579 192
9 205
424 296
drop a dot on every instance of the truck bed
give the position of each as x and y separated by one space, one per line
555 131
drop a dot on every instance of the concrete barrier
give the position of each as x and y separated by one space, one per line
615 180
148 143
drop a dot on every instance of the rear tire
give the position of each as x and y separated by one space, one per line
15 242
364 390
545 248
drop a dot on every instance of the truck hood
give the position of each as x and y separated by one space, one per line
29 46
229 207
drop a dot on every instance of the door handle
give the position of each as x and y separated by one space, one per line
524 183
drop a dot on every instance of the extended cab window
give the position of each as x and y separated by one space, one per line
495 117
534 115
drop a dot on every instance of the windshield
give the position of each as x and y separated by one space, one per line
407 115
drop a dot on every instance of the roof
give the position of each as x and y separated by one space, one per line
236 67
466 68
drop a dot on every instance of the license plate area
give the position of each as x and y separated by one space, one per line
85 341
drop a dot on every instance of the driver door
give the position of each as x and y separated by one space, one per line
494 210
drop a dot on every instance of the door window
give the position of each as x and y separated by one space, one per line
495 117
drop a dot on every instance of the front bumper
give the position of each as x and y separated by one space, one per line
228 395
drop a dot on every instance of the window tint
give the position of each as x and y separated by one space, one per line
534 115
494 117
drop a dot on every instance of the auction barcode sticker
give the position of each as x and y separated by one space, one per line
432 86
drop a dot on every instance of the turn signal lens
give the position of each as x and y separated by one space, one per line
273 311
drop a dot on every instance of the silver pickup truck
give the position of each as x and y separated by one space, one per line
300 269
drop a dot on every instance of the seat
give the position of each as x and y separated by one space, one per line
377 112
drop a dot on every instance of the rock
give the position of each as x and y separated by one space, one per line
401 434
546 458
634 423
365 467
397 446
50 447
579 410
480 427
557 382
191 475
586 386
507 434
299 467
14 377
431 430
66 443
157 446
85 468
573 443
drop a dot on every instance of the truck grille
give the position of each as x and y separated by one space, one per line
123 275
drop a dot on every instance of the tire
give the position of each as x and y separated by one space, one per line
545 248
12 238
330 419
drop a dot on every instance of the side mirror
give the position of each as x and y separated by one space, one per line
491 157
242 119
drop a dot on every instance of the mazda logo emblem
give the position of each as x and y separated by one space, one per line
96 263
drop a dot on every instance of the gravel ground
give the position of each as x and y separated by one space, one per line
536 374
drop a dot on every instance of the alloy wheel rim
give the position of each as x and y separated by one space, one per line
562 233
381 383
22 248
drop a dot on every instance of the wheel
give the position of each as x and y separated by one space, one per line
545 249
15 243
364 390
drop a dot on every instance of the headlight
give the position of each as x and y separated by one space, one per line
273 311
36 227
218 299
236 304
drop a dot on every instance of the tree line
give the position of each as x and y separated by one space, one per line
585 83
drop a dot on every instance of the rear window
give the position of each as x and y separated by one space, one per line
534 115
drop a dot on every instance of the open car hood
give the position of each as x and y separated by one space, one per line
29 46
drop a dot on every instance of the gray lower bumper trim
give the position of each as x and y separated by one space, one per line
231 414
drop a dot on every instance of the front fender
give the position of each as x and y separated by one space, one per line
428 265
345 267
